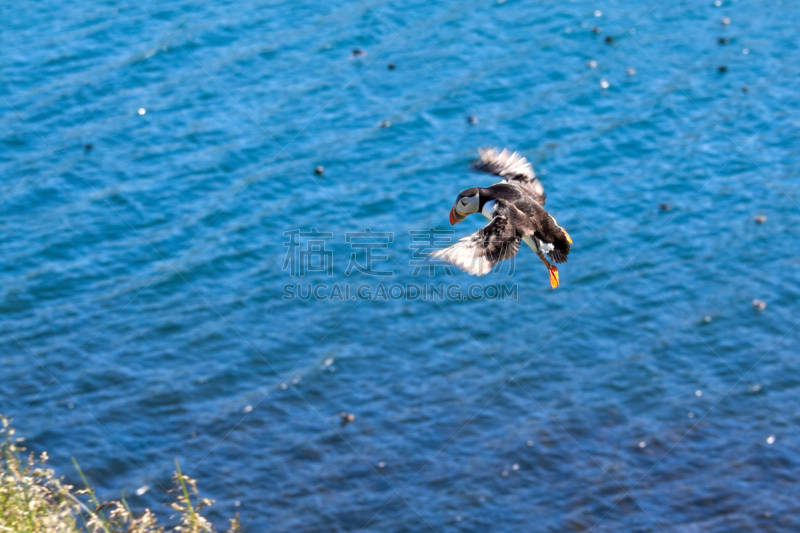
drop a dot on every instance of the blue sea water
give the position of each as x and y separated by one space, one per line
142 281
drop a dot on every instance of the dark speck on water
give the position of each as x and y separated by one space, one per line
391 66
88 146
665 207
346 418
722 40
609 39
722 68
148 275
595 29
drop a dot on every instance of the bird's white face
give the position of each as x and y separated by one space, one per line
466 205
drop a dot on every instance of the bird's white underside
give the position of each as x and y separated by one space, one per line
544 247
488 210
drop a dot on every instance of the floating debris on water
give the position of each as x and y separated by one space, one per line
357 52
725 21
591 63
722 68
609 39
515 466
642 444
760 304
598 13
698 393
707 319
142 111
630 71
722 40
381 464
595 29
760 219
504 473
771 439
691 414
756 387
391 66
320 170
87 147
248 408
604 84
142 490
346 418
745 51
745 89
717 3
529 443
665 207
385 124
472 119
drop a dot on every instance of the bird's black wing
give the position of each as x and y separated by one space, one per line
514 169
478 253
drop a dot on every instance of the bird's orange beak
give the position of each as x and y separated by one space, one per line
454 218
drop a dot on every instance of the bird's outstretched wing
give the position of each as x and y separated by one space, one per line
514 169
478 253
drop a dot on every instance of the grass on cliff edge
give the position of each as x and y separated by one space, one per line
33 500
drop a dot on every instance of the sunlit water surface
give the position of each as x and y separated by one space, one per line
142 306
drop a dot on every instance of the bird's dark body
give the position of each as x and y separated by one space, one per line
537 223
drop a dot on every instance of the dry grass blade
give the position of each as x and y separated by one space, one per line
34 500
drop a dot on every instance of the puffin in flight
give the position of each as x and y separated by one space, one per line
514 209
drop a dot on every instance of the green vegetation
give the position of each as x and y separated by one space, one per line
33 500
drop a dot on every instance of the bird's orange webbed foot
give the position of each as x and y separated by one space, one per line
553 276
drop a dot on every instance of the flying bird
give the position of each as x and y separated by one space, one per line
514 209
